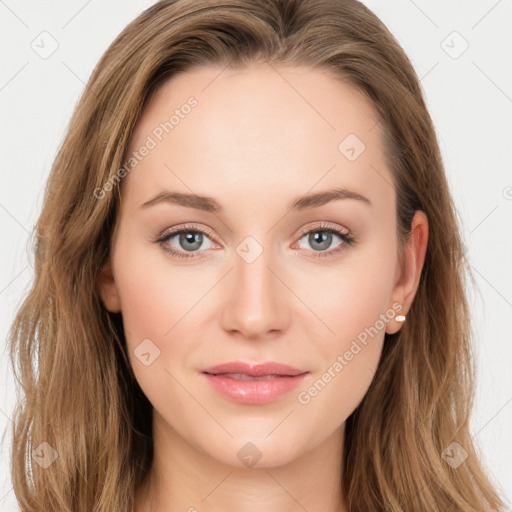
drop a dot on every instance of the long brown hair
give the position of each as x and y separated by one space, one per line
79 399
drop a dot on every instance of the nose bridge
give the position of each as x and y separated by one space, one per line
255 304
252 272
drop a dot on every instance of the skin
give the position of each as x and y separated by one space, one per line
258 138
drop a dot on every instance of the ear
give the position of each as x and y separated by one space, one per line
108 289
409 274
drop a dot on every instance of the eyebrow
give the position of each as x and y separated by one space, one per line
208 204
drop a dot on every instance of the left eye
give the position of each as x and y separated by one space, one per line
322 239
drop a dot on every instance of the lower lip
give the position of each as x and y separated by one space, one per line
254 392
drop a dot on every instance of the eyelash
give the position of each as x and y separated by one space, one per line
347 238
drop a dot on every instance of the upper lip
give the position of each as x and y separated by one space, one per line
254 370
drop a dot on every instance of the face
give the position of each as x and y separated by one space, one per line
268 269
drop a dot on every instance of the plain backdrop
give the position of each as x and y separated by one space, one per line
462 52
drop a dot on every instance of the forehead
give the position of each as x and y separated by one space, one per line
258 131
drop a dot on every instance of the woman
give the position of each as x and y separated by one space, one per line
254 369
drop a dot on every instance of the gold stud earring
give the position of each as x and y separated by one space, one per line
400 318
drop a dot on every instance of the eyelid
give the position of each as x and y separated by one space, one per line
184 227
322 225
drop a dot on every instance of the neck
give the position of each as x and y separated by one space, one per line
183 478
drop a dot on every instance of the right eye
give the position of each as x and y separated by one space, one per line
189 240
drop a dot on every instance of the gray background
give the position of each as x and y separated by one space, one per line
469 94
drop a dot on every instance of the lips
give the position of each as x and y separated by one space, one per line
253 384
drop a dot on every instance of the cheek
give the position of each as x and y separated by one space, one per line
154 304
349 357
143 303
351 298
160 302
353 305
154 295
151 300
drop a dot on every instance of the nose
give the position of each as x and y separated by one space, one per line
255 301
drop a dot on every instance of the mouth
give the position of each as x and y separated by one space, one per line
254 384
243 376
254 370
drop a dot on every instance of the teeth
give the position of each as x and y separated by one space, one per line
243 376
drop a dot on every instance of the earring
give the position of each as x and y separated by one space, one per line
400 318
